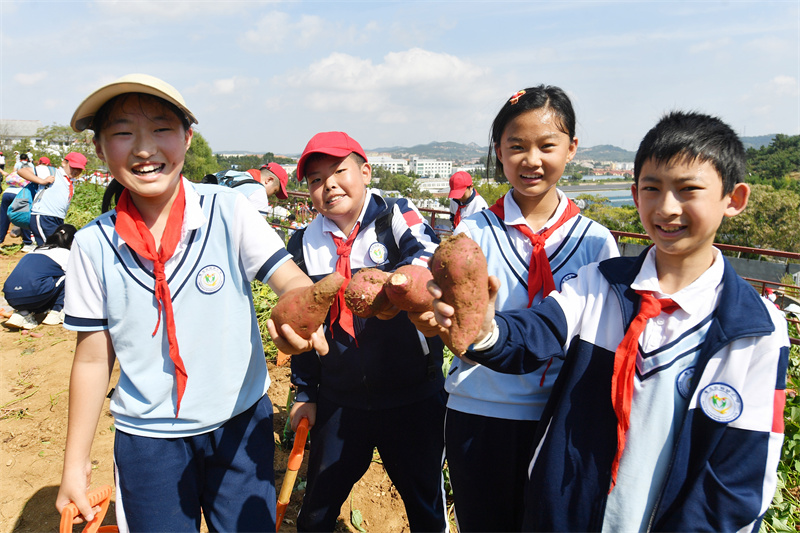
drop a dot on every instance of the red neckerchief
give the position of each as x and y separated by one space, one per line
339 309
539 274
132 229
457 216
625 369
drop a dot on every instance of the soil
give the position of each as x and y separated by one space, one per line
34 383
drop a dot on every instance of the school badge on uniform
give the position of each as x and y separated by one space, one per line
684 382
210 279
378 253
721 402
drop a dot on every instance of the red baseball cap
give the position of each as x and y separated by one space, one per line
42 160
459 183
76 160
335 143
283 178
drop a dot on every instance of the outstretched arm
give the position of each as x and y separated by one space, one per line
91 371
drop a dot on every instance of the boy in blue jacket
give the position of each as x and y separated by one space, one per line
668 412
381 383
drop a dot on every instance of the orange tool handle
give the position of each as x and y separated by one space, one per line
100 496
292 466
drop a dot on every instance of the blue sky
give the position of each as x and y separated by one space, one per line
266 76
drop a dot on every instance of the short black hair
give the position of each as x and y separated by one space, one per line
691 136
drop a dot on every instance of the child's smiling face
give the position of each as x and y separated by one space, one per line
338 187
681 204
534 152
144 145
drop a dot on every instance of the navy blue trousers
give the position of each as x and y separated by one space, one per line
410 440
164 483
488 460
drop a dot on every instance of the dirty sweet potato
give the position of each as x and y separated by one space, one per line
459 268
407 289
365 295
305 308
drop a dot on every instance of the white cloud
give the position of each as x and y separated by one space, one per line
785 86
30 78
277 31
224 86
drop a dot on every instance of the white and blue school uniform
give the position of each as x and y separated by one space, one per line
482 402
382 389
49 208
37 282
474 203
224 245
707 410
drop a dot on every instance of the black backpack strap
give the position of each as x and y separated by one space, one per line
243 182
295 247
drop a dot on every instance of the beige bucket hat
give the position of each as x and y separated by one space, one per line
132 83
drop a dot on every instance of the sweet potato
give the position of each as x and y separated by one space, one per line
365 295
459 268
305 308
407 289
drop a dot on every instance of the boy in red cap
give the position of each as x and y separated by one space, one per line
464 198
275 178
381 384
52 200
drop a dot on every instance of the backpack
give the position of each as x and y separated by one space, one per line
19 212
234 178
383 230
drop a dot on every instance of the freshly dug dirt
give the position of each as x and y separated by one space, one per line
34 383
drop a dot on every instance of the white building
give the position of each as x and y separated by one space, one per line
430 168
14 131
434 186
397 166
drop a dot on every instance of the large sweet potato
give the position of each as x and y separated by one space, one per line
365 295
459 268
305 308
407 289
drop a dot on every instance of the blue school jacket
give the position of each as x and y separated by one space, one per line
722 473
389 364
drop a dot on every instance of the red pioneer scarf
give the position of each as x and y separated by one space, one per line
539 274
132 229
339 309
625 369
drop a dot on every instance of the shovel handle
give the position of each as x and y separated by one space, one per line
293 465
100 496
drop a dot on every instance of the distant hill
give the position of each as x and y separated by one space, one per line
467 152
437 150
605 152
758 141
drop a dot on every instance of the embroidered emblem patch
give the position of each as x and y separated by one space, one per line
684 382
378 253
566 279
210 279
721 402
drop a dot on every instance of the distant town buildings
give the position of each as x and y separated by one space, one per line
430 168
397 166
14 131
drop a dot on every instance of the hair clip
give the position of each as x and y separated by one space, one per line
515 98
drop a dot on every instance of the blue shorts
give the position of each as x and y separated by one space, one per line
164 483
42 226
